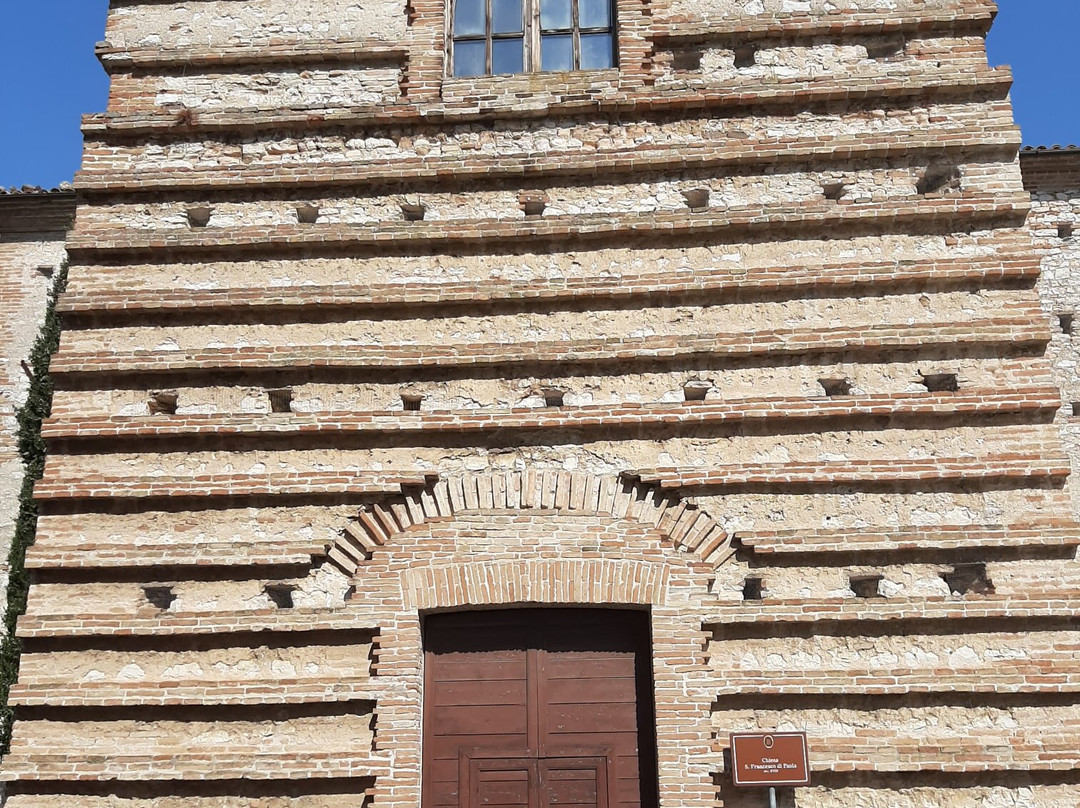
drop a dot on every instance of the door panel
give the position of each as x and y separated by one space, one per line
589 690
486 692
461 669
503 788
499 782
483 719
570 719
538 708
570 783
564 666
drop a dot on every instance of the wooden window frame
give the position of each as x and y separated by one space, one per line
532 35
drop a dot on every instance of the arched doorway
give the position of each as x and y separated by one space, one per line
531 708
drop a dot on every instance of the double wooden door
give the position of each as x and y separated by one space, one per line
537 708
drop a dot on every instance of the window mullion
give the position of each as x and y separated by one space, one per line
488 24
532 15
450 46
575 21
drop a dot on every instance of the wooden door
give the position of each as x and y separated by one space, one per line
537 708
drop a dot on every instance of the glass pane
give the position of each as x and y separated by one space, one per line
596 51
506 17
508 56
469 17
594 13
557 52
556 14
469 58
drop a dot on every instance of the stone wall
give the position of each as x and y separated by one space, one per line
786 11
182 27
758 349
32 230
1053 178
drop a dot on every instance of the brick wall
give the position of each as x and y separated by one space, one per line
834 366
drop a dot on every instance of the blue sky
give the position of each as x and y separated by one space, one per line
49 77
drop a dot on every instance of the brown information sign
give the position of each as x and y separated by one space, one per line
761 759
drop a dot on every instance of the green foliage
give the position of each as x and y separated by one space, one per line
32 449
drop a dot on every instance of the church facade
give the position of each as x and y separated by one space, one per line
468 403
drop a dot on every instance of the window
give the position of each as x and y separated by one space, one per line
492 37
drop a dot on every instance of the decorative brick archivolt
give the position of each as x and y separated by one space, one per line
677 519
537 539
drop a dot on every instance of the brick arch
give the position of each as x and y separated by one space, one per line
551 581
676 518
